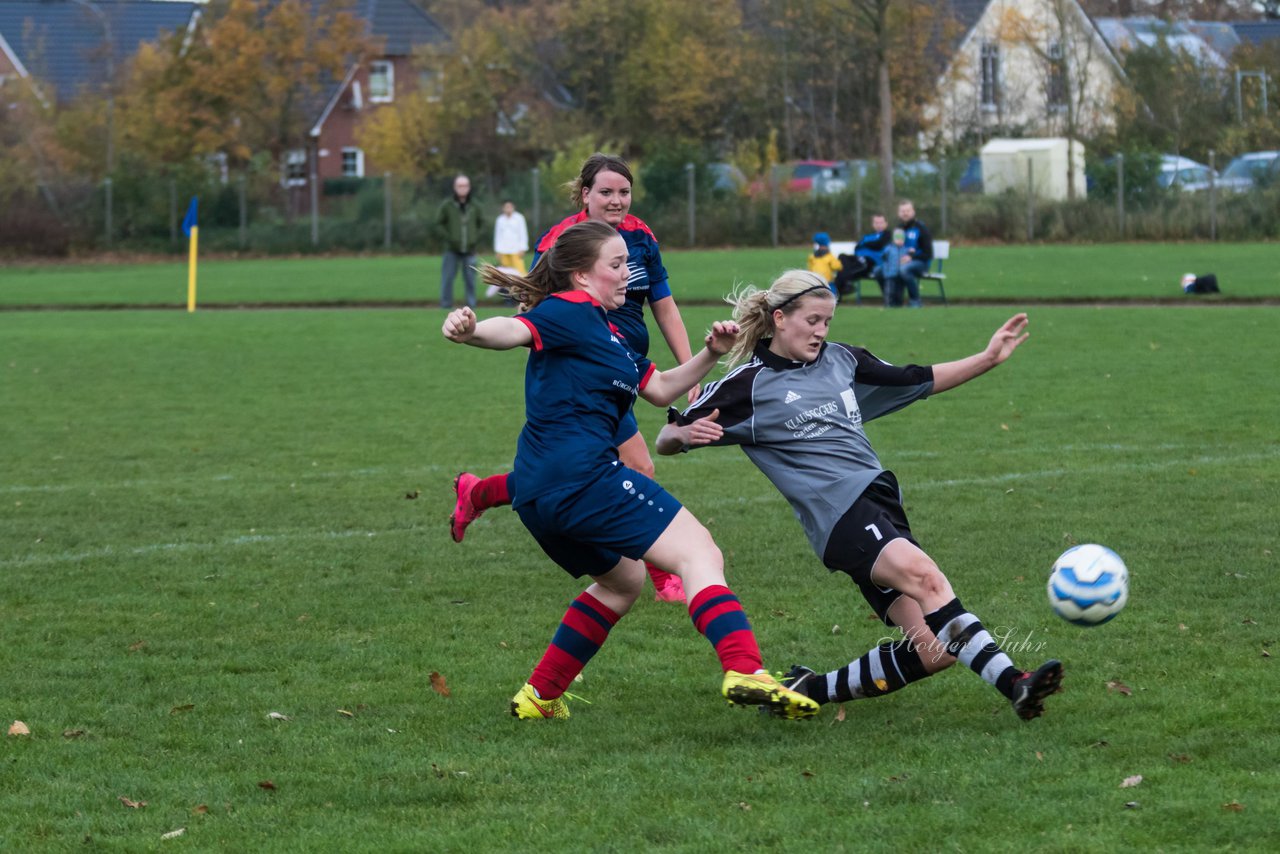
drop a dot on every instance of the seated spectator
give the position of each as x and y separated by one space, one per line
823 262
864 263
892 260
919 250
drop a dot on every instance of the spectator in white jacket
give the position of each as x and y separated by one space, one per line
511 238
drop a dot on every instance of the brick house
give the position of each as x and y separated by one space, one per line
402 26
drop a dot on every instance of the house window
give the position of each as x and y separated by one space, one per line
432 84
990 76
382 82
1056 85
352 163
295 167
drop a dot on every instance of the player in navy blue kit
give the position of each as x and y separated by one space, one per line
591 514
603 190
796 407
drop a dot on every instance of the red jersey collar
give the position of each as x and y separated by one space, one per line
577 296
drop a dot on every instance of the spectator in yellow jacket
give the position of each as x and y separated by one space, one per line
823 261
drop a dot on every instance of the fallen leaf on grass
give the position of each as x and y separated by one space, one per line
1130 782
137 645
1131 805
744 806
1266 654
412 495
840 714
1180 757
1234 806
202 809
806 773
177 710
346 714
1039 756
19 728
267 784
1119 687
131 804
439 685
173 834
277 716
72 733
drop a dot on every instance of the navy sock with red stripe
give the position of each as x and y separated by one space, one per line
718 615
492 491
581 633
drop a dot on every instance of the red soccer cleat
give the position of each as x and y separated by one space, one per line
464 512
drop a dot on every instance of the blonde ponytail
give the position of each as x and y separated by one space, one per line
753 308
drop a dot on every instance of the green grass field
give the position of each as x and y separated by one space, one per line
1000 273
211 518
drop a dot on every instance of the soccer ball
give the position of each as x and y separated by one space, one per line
1089 585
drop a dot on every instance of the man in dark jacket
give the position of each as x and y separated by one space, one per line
918 248
459 223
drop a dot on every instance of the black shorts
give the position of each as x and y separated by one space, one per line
875 520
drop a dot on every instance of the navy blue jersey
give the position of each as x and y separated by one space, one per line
581 379
646 277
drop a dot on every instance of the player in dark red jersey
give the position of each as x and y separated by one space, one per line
590 513
603 190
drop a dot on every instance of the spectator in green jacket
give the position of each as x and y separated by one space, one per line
459 223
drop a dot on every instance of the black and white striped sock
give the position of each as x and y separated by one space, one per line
964 636
883 670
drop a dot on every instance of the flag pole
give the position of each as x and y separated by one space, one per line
191 229
191 269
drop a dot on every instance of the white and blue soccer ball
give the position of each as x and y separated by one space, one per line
1089 585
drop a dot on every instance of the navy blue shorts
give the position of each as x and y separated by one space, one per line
588 529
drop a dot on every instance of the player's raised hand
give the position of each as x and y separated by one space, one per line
705 430
1008 337
721 337
460 325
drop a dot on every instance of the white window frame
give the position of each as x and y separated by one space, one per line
358 162
989 76
382 68
1055 94
293 169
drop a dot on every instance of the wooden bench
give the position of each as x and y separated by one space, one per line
941 252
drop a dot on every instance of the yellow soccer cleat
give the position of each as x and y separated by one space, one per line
527 705
761 689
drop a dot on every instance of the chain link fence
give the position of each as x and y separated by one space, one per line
698 205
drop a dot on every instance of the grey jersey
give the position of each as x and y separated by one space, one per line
801 424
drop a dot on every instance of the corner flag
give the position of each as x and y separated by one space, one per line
192 230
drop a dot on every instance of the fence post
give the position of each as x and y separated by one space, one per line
386 210
1031 203
943 173
106 185
537 201
1213 198
1120 192
173 212
315 196
857 202
773 204
693 204
244 213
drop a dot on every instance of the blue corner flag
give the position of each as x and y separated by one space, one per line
189 221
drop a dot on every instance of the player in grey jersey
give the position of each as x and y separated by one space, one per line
796 404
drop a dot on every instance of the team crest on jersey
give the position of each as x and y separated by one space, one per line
851 406
791 397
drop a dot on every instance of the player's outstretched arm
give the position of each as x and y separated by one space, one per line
673 439
948 375
496 333
665 386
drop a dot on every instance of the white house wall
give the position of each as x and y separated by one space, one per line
1015 26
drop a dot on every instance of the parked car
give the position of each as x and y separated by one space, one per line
1255 169
726 178
1183 174
822 177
